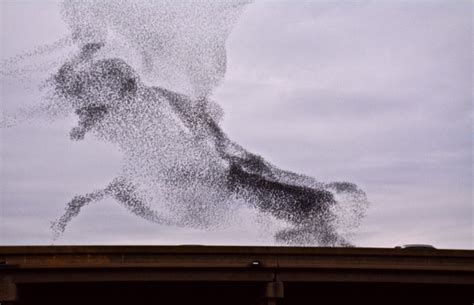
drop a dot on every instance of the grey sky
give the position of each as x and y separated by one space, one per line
374 92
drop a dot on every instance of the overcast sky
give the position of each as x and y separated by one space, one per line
378 93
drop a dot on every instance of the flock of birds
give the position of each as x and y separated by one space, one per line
140 77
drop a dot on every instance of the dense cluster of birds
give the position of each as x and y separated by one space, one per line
141 79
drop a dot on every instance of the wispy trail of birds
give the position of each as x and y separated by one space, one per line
140 78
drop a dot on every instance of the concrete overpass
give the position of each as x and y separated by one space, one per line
233 275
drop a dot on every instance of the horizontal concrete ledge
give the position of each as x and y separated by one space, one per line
147 249
43 264
32 257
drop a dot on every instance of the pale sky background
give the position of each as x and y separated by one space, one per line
378 93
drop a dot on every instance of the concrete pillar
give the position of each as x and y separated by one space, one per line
8 291
273 292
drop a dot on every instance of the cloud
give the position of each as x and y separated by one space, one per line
375 92
378 93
